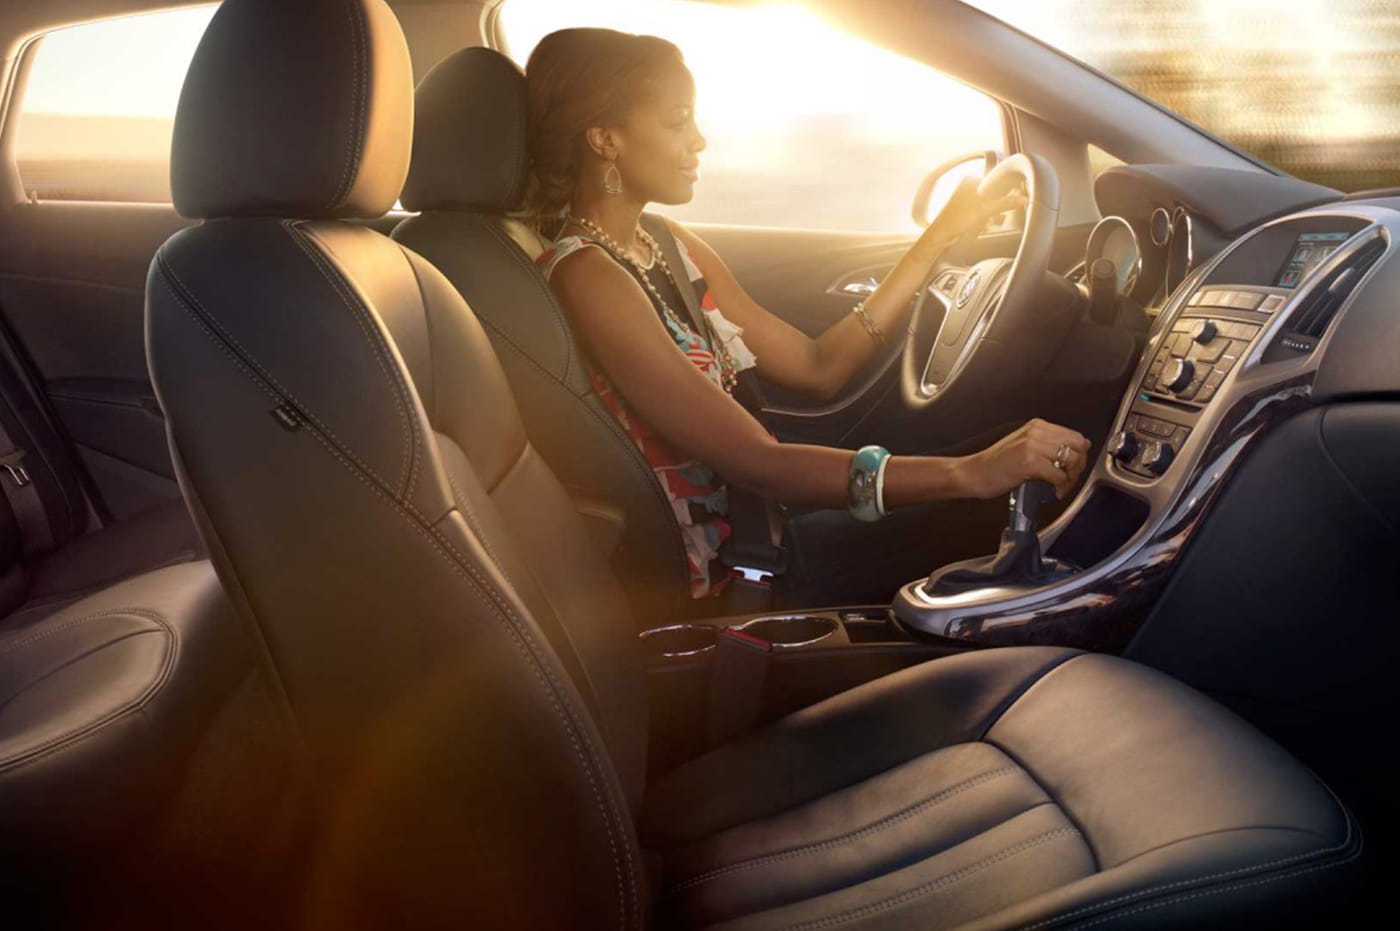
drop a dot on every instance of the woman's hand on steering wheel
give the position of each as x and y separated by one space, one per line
1030 452
966 212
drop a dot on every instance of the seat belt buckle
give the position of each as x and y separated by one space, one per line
754 576
12 463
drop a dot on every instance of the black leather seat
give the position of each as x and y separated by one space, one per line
466 177
51 554
460 660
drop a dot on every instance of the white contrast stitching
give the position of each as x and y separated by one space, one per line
917 808
407 423
523 640
282 394
357 104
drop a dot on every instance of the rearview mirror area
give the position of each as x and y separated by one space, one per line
938 185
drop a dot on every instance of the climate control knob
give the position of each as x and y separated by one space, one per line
1123 446
1178 374
1157 456
1203 331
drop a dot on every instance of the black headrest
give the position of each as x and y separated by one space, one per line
295 108
469 149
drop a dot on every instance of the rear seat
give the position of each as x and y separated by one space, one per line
118 652
51 554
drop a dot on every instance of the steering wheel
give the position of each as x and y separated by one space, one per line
985 336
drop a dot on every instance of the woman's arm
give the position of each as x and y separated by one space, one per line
616 323
821 366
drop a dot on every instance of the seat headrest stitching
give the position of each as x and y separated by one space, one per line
358 103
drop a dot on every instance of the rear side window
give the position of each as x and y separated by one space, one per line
95 119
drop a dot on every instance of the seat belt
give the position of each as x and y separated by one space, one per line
36 536
27 374
755 548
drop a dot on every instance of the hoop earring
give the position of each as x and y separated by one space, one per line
611 187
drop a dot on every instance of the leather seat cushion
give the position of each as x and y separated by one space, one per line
1005 787
161 536
99 703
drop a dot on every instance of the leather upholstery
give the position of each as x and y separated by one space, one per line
467 171
465 675
456 165
100 705
445 631
315 123
1009 788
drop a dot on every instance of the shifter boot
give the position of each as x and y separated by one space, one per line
1017 563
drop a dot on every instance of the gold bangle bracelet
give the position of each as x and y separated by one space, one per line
870 325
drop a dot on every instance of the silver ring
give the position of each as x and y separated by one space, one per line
1062 456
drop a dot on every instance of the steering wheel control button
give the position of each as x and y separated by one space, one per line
1178 374
1123 446
1157 456
1203 331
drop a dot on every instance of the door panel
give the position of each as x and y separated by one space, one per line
72 288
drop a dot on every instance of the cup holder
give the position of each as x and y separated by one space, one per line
795 630
679 640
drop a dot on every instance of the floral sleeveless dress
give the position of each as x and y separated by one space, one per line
698 498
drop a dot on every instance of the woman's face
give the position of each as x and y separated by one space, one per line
659 144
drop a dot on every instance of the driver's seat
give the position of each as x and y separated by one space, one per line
466 176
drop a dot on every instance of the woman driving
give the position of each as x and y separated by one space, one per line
612 129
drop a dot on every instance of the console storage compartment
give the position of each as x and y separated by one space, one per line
806 656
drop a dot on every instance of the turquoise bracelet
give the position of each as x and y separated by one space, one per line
865 491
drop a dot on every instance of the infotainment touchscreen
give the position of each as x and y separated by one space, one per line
1308 252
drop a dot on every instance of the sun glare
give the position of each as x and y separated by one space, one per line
805 123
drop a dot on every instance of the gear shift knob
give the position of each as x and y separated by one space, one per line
1026 502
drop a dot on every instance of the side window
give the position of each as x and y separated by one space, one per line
807 126
95 120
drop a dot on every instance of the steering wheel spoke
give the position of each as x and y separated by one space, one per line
992 296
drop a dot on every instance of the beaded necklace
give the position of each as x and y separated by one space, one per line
727 375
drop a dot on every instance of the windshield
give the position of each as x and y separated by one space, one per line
1312 88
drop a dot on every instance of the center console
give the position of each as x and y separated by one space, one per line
1233 353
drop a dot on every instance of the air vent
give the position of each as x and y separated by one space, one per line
1310 320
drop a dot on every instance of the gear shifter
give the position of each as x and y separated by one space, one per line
1018 562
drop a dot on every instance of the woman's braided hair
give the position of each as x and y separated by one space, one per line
578 79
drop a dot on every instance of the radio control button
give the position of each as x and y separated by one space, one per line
1203 331
1157 456
1178 374
1123 446
1272 303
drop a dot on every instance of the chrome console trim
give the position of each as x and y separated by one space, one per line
1252 398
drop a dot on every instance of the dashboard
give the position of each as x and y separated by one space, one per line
1283 304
